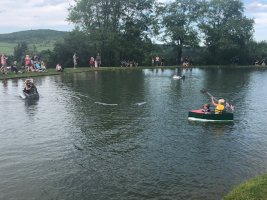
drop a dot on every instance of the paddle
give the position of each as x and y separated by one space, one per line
204 91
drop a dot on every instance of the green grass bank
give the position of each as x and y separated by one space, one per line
52 71
254 189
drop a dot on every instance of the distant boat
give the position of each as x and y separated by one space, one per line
32 95
199 115
176 77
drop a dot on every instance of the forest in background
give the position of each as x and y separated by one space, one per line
206 32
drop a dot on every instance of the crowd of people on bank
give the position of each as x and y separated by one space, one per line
34 64
31 64
92 62
129 63
95 62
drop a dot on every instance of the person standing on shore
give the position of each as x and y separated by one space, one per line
75 58
153 61
27 63
98 60
92 62
157 59
3 63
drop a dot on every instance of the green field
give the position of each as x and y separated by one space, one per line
37 40
8 48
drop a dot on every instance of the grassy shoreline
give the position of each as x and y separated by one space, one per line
51 71
254 189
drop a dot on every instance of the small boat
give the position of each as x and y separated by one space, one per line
199 115
33 95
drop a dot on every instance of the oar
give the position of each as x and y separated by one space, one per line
204 91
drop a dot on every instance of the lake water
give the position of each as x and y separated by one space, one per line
125 135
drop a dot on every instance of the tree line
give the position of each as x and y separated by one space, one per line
206 31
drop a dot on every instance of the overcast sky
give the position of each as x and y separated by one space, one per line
18 15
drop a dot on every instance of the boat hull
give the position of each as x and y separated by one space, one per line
199 115
31 95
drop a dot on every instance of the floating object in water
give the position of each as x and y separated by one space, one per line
78 147
22 96
176 77
141 103
106 104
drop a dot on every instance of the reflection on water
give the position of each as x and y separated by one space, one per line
125 135
31 106
4 86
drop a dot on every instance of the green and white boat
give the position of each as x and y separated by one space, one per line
200 115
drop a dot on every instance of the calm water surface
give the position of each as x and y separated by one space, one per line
125 135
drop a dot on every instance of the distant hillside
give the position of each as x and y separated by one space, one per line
42 39
33 36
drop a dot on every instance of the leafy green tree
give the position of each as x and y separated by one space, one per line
20 51
48 57
179 24
114 27
226 30
76 41
257 51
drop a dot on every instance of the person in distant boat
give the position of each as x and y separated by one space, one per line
29 87
206 108
219 105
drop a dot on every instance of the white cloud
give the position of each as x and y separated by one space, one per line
257 9
34 14
19 15
257 6
261 18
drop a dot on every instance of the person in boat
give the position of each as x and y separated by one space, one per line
206 108
219 106
29 87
